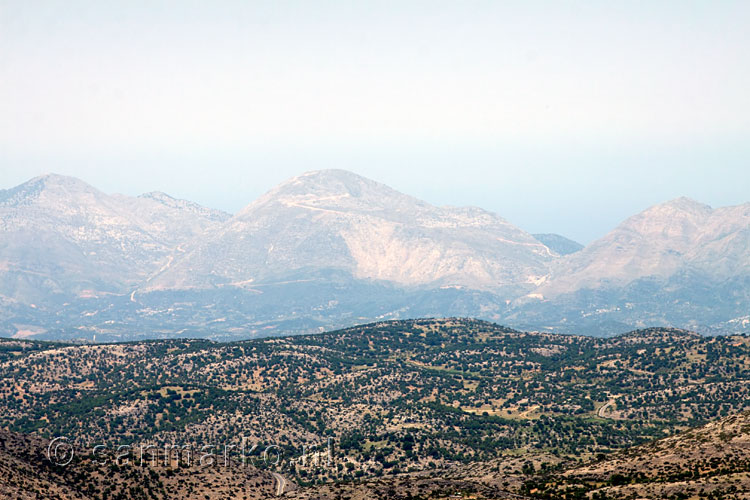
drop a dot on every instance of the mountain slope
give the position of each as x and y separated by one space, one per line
679 235
679 263
61 238
559 244
710 460
171 220
336 220
330 248
26 472
423 408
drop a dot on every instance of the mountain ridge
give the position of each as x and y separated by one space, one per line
660 241
558 243
338 220
330 248
62 236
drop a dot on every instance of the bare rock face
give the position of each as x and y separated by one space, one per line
333 219
330 248
677 236
172 220
60 236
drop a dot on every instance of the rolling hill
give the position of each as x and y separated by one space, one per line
422 408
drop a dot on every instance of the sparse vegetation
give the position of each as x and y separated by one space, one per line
404 397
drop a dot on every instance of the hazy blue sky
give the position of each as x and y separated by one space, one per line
560 116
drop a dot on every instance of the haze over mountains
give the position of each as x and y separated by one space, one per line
336 220
330 248
62 238
678 236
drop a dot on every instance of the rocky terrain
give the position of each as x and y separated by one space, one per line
61 239
26 473
401 409
677 263
330 249
712 461
336 220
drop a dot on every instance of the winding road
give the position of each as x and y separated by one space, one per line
604 407
281 483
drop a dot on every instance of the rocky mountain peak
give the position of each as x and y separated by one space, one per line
334 219
686 204
675 221
157 200
681 235
336 190
47 186
332 181
158 196
325 231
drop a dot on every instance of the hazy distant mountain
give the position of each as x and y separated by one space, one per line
171 220
61 238
330 249
336 220
681 235
559 244
679 263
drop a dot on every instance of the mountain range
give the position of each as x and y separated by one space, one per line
330 248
